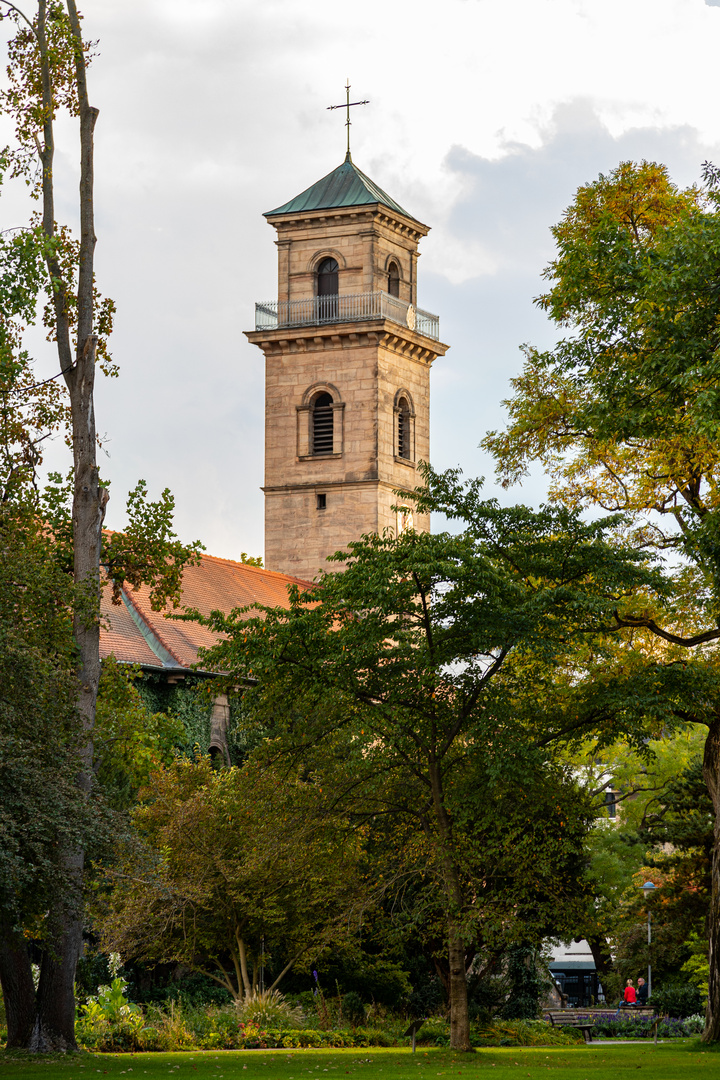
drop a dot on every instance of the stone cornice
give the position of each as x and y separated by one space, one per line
381 333
350 215
311 485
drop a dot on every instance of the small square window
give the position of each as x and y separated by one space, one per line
321 501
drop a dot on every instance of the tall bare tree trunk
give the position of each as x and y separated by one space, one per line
55 1024
711 771
459 1018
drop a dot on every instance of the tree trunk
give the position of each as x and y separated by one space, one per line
18 988
711 772
458 995
55 1028
601 955
46 1020
459 1019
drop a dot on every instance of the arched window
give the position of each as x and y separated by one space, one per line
393 279
322 424
404 449
327 278
327 289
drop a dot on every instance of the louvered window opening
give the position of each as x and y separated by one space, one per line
403 442
323 425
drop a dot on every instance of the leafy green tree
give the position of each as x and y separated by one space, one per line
643 785
520 823
676 830
237 869
130 740
624 414
41 807
399 660
44 269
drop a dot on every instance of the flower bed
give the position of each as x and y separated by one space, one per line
215 1029
609 1025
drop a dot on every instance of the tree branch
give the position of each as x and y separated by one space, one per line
666 635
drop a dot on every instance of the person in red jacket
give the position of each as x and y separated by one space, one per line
629 997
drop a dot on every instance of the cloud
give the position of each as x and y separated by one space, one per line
482 264
212 113
500 221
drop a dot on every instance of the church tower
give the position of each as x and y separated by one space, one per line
348 356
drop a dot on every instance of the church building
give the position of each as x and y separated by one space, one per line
347 413
347 362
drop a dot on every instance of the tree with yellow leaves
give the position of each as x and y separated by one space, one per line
624 413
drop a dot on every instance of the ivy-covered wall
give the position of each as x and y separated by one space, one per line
187 702
190 703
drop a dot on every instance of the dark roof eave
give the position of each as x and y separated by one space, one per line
202 672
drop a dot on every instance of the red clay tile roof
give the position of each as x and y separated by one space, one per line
122 638
139 635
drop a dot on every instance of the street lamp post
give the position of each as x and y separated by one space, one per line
648 888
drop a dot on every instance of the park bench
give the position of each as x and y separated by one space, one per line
576 1018
579 1018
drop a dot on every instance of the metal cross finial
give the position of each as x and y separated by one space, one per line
348 105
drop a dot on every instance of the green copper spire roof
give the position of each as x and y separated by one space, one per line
344 186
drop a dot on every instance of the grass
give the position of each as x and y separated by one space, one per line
665 1062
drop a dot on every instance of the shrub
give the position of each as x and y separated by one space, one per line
353 1009
310 1038
192 989
111 1003
527 984
487 995
434 1032
427 997
694 1025
269 1009
109 1021
521 1033
680 1000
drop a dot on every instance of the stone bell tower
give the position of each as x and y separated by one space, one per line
348 356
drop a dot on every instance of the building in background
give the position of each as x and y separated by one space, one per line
166 649
347 416
573 969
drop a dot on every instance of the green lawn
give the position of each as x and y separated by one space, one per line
665 1062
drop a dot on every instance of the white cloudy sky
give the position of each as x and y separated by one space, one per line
485 116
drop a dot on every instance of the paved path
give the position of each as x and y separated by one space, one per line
626 1042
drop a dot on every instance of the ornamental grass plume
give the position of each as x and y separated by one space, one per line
269 1009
